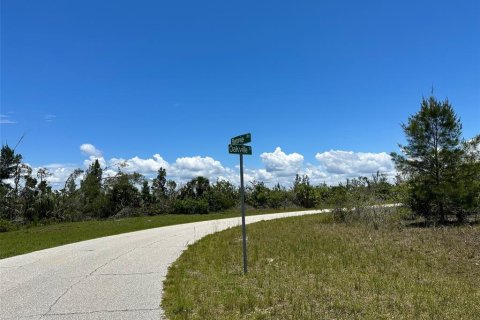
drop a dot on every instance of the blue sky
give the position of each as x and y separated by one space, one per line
180 78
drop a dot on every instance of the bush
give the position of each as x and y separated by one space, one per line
190 206
218 201
44 206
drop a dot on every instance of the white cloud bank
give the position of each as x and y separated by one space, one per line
357 163
332 167
282 164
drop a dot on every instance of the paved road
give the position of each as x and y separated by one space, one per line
116 277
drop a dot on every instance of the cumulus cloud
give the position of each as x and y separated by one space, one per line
189 167
332 167
57 173
348 164
282 164
143 166
182 170
90 150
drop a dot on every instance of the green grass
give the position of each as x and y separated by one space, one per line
41 237
312 268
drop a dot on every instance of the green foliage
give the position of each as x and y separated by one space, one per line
29 199
190 206
440 172
195 188
257 195
44 206
354 201
92 183
9 161
260 196
222 195
304 195
278 197
147 198
122 193
465 198
159 186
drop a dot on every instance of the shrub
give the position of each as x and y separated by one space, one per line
190 206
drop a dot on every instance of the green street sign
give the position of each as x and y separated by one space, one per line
244 138
239 149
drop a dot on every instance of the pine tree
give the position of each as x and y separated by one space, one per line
92 183
159 188
431 158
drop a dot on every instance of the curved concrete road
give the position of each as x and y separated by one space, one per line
116 277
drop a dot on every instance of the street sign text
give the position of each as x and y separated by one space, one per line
243 139
239 149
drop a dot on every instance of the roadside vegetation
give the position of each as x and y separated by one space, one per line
417 261
32 238
315 268
438 179
30 201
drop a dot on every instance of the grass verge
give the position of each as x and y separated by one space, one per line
35 238
312 268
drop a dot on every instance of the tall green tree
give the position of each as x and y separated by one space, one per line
466 195
9 161
159 187
195 188
146 194
9 164
122 192
303 192
92 182
432 157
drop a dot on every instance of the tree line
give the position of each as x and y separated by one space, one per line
438 177
28 198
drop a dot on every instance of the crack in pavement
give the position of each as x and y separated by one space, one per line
82 279
66 291
110 261
106 311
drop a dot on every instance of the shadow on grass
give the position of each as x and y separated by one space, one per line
472 220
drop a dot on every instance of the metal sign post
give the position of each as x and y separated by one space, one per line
244 228
237 147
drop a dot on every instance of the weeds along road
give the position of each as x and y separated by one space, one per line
116 277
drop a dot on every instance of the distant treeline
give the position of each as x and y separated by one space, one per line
438 178
28 198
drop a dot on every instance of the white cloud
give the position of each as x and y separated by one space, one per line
58 173
182 170
186 168
338 164
90 150
143 166
282 164
333 167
